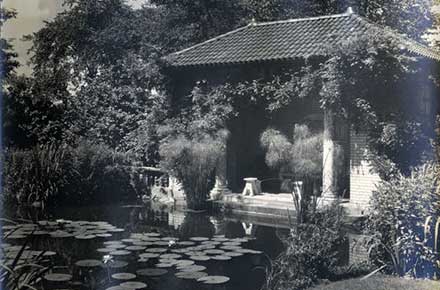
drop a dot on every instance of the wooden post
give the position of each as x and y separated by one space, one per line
335 144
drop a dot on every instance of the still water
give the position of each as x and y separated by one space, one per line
246 271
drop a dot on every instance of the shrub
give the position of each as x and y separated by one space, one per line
101 174
192 162
401 209
311 251
61 174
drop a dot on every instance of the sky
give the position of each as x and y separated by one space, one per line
30 18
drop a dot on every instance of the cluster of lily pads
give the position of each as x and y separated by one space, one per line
16 254
152 255
81 230
164 253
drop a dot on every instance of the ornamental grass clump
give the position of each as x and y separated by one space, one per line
193 162
34 175
301 157
311 250
403 223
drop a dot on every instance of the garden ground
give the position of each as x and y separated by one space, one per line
381 283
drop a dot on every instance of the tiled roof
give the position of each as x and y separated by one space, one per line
285 40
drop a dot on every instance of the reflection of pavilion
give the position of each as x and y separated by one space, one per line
264 229
175 219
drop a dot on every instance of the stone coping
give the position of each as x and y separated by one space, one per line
276 205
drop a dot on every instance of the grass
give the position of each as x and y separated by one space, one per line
381 283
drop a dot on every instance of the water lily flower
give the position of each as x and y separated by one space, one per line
107 258
171 243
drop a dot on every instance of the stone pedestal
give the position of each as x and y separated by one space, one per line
252 186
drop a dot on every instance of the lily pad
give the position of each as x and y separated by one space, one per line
116 246
112 242
214 252
231 248
170 256
214 279
161 243
133 285
104 235
129 240
149 255
233 254
57 277
221 258
199 239
156 250
214 243
88 263
220 239
191 275
164 265
142 244
193 268
123 276
248 251
151 272
105 250
200 258
120 253
135 248
184 263
168 261
153 234
85 237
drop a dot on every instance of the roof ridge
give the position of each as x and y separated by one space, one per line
211 39
340 15
435 54
262 24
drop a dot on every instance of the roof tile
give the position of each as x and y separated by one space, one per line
288 39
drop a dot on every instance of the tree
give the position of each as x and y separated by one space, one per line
204 19
7 55
103 65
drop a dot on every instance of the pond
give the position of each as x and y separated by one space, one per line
154 245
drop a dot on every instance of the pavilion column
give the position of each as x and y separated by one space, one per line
221 181
336 132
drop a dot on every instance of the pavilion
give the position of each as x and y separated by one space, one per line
261 49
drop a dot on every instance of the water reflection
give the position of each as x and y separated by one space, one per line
246 272
196 225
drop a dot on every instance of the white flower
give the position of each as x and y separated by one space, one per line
107 258
171 243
